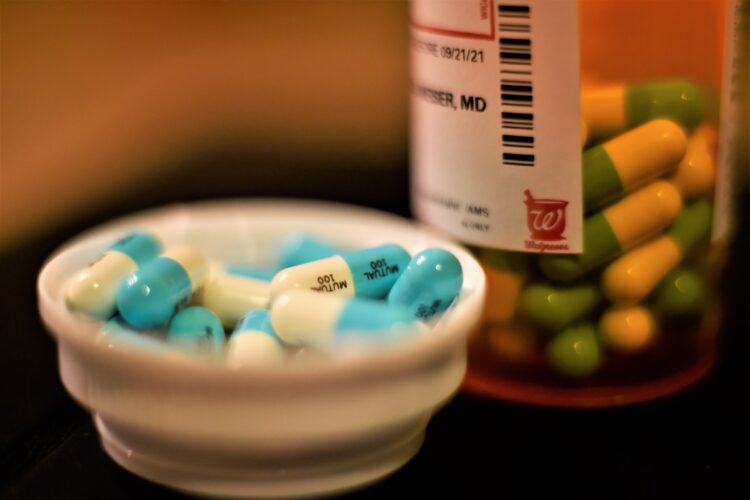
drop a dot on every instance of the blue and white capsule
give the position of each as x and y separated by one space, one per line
368 273
302 248
326 321
93 290
430 283
116 332
231 296
254 343
151 295
196 329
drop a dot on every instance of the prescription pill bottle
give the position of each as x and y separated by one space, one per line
584 150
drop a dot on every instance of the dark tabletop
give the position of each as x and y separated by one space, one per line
688 445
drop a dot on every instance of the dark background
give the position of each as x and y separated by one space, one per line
687 445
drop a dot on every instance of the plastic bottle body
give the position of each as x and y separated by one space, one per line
604 264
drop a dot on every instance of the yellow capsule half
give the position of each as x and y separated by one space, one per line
502 294
602 109
584 132
647 151
627 329
505 273
695 173
633 276
644 213
512 342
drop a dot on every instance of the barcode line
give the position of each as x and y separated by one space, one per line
517 91
515 28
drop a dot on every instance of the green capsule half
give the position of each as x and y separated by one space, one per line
553 309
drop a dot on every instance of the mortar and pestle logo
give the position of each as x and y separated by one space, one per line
545 218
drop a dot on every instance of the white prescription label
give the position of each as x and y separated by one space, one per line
496 149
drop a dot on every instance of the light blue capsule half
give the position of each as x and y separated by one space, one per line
140 246
151 295
373 321
262 273
257 321
376 269
429 284
196 329
303 248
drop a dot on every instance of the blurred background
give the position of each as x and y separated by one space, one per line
113 106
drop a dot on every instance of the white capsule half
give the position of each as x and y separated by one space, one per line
331 274
254 343
93 290
231 296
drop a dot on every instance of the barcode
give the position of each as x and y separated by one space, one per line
518 159
522 11
515 51
516 92
516 84
519 121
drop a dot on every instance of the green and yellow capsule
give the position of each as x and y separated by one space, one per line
630 160
633 276
610 109
621 226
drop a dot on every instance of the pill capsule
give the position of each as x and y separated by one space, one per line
324 321
630 160
575 352
151 295
93 291
554 308
627 329
511 342
695 173
254 271
617 228
429 284
196 329
231 296
608 110
303 248
681 295
505 273
117 332
366 273
254 343
633 276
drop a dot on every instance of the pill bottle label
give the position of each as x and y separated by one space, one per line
496 134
